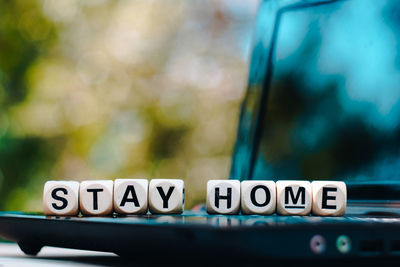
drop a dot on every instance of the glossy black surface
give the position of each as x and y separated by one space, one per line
198 234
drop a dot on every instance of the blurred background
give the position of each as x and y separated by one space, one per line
333 105
119 89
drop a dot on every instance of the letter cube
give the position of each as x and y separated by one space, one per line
293 197
223 196
329 198
61 198
258 197
166 196
130 196
96 197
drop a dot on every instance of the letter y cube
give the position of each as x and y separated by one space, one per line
166 196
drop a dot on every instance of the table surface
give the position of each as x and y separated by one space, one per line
11 255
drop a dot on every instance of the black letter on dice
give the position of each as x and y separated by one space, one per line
228 197
253 196
300 193
63 200
130 189
95 199
325 197
164 197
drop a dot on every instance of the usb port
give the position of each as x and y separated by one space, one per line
395 245
370 246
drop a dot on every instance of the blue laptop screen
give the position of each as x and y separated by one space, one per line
333 107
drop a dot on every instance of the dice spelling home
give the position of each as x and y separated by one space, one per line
323 198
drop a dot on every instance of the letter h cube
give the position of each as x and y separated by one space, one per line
223 196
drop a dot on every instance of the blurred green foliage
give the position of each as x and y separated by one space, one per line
25 34
118 89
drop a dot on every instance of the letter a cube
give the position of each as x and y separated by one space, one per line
61 198
223 196
130 196
329 198
293 197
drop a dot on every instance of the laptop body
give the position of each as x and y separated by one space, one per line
306 115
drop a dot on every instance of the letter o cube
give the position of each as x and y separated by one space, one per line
293 197
223 196
96 197
130 196
329 198
61 198
166 196
258 197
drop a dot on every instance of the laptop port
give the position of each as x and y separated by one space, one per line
395 245
343 244
371 246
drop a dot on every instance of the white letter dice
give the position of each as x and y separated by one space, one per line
258 197
223 196
96 197
329 198
293 197
130 196
61 198
166 196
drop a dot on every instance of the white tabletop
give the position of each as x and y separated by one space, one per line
11 255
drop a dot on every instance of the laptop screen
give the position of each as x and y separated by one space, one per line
333 105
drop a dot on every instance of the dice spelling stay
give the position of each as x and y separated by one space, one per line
124 196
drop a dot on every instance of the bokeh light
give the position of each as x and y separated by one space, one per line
118 89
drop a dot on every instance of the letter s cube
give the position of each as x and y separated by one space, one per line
61 198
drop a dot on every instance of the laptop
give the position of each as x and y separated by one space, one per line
322 103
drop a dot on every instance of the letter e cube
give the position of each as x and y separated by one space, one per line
329 198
